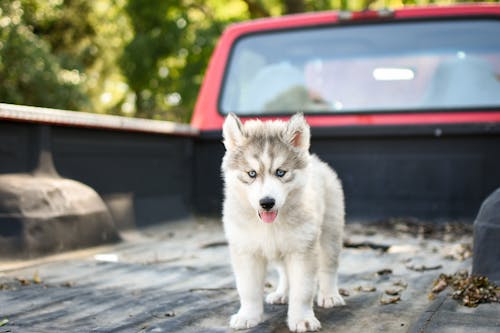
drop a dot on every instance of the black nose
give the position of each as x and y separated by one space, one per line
267 203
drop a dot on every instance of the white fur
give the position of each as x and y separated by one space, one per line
305 239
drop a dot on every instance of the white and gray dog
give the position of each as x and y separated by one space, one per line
285 206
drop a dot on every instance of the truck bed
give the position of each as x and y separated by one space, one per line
176 277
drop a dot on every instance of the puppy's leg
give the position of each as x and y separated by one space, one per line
249 271
301 270
328 293
280 295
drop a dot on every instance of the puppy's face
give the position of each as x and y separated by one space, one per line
264 161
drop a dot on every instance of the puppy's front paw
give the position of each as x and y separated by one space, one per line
241 321
276 298
329 301
307 324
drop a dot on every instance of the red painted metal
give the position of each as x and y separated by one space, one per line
207 117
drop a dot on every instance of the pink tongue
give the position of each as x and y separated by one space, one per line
268 217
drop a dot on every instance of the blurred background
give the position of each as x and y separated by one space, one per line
127 57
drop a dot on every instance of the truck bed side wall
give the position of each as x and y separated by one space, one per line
144 178
426 172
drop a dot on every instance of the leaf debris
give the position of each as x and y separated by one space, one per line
390 300
26 282
36 278
366 245
385 271
366 289
160 316
170 314
472 290
344 292
423 268
4 286
393 292
459 252
439 286
23 281
401 283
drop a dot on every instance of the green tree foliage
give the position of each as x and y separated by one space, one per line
30 73
156 36
60 53
165 60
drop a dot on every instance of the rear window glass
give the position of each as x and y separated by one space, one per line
366 68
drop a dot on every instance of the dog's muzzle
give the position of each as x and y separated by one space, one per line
267 215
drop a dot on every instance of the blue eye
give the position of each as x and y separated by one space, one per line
252 174
280 173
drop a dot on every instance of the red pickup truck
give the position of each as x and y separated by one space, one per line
411 66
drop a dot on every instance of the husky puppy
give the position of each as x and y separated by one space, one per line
285 206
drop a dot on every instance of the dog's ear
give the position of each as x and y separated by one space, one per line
297 132
232 131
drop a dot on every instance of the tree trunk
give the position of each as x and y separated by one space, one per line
257 9
294 6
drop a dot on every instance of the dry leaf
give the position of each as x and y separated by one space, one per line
459 252
344 292
401 283
422 268
439 286
393 292
470 289
23 282
391 300
366 289
36 278
384 271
